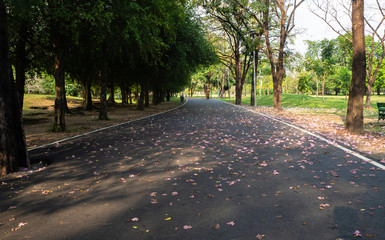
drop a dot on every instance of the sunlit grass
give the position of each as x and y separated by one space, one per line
36 100
314 102
294 100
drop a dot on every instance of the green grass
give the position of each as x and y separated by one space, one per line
294 100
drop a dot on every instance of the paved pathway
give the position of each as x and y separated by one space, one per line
208 170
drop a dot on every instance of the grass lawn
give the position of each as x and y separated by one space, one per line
332 104
294 100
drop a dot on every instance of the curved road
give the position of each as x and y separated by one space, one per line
208 170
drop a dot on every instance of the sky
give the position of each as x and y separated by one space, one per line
311 27
317 29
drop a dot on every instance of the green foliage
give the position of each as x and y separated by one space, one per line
329 60
303 82
130 40
48 85
343 80
380 80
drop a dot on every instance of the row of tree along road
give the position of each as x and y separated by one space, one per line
153 45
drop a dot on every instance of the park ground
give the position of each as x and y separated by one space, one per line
38 118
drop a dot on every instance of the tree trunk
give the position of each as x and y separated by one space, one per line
146 95
192 90
223 83
277 83
238 94
156 96
354 116
111 91
141 98
60 103
13 151
252 97
277 70
207 91
238 80
66 109
254 82
129 93
123 92
21 61
103 95
277 89
87 96
368 96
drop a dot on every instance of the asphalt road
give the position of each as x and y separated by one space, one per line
208 170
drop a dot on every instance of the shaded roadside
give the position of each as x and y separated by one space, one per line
37 125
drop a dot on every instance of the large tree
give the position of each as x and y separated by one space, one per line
276 19
354 116
332 15
13 152
21 19
236 25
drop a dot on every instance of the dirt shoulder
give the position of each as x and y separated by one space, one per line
332 127
38 122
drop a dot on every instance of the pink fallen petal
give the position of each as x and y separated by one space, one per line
231 223
357 234
153 194
260 236
187 227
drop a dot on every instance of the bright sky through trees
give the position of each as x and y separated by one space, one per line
311 28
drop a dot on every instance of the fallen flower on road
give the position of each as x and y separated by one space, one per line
231 223
18 226
260 236
357 234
